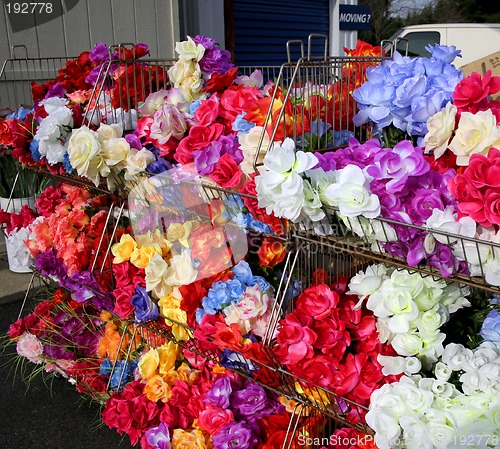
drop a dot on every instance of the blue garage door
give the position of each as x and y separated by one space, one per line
262 28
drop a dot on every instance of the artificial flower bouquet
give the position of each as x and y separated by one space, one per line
426 199
316 113
113 73
447 349
401 93
62 336
192 282
178 400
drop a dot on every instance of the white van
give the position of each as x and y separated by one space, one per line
474 40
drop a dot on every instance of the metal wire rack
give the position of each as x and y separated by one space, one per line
123 84
312 101
262 365
19 72
177 196
464 259
120 87
303 265
309 428
265 373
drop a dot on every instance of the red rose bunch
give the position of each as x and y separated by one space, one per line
472 94
133 82
477 189
16 220
131 412
71 77
330 343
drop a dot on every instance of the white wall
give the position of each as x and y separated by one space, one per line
340 39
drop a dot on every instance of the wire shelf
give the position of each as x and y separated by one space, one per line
468 260
266 374
19 72
122 84
176 196
260 362
312 103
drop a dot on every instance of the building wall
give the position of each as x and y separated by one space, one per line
154 22
204 17
40 51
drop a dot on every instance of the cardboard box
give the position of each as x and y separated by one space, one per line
491 62
481 66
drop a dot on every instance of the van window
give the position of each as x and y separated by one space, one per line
417 42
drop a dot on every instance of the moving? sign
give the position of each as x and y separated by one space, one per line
354 17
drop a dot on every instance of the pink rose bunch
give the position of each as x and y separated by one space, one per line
71 223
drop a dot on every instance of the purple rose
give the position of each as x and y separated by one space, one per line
220 392
159 437
398 164
206 159
207 42
416 251
93 75
423 203
235 435
366 152
443 259
145 308
216 60
133 141
99 53
56 90
58 352
85 288
49 265
250 400
326 161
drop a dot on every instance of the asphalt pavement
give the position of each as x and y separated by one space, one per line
44 412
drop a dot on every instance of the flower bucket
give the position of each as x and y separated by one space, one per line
17 253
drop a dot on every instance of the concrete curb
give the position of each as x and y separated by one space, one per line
13 286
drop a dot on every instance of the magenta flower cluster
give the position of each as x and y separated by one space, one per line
408 191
